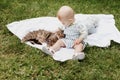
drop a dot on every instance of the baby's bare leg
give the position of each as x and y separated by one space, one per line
78 54
78 48
58 45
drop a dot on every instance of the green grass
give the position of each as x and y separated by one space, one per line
22 62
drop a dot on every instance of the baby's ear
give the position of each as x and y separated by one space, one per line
70 19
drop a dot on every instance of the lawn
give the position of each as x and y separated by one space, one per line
19 61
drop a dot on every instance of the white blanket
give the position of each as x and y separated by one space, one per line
105 32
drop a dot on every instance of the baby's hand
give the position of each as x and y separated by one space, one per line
77 41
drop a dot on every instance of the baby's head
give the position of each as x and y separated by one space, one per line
66 15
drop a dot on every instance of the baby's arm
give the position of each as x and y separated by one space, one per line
83 32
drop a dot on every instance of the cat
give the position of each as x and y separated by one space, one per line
38 36
54 37
42 36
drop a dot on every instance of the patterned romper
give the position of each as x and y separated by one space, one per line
73 32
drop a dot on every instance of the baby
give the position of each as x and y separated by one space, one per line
75 32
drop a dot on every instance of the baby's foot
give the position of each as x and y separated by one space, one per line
78 56
48 51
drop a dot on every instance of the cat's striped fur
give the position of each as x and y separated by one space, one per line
41 36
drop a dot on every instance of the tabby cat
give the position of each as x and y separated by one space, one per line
41 36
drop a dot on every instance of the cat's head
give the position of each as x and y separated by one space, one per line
52 40
54 37
59 34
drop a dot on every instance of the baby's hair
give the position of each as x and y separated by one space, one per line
69 12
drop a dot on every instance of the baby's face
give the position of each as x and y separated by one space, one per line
66 15
66 22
